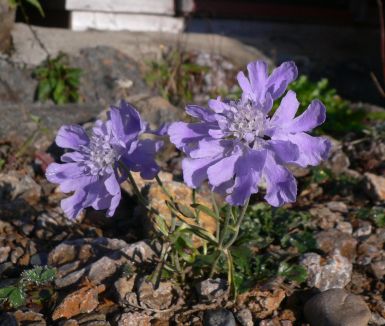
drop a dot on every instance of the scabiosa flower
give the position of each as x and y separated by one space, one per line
93 170
236 145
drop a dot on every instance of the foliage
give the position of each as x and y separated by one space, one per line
57 80
374 214
21 3
175 75
16 295
262 226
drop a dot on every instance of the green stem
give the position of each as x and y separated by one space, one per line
237 226
160 183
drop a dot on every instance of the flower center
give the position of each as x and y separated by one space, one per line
101 155
247 123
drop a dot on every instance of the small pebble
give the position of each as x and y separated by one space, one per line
218 317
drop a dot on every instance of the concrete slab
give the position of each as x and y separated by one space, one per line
113 21
161 7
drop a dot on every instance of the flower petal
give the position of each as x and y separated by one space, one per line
195 170
223 170
312 150
182 134
209 147
72 206
71 136
126 123
280 78
142 159
201 113
284 151
57 173
314 116
248 172
281 184
286 110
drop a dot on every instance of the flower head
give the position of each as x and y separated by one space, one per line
93 169
236 145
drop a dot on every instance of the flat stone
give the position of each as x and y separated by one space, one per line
245 317
375 185
81 301
160 298
218 317
336 307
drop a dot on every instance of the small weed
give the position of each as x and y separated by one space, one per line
58 81
374 214
175 75
20 3
16 295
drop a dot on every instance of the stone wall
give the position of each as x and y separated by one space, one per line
7 18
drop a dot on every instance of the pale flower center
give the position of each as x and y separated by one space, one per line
247 123
101 154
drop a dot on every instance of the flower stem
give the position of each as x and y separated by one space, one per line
237 226
224 248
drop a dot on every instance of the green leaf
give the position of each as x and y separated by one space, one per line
161 225
37 5
43 90
205 210
14 295
185 210
39 275
58 94
293 272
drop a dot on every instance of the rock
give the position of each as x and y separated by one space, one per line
378 268
157 111
218 317
95 259
182 196
336 307
337 206
368 250
375 186
377 319
345 227
336 272
245 317
29 317
211 289
142 183
7 20
364 229
124 287
6 319
324 217
332 239
84 300
160 299
261 302
16 184
133 319
104 70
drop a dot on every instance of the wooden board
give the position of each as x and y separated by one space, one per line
159 7
81 20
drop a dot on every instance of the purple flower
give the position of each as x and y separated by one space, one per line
93 170
236 145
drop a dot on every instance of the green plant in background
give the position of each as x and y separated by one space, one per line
174 76
16 295
21 3
58 81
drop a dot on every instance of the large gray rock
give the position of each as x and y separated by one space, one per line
218 317
336 307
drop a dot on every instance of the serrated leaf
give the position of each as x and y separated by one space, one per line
39 275
14 295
